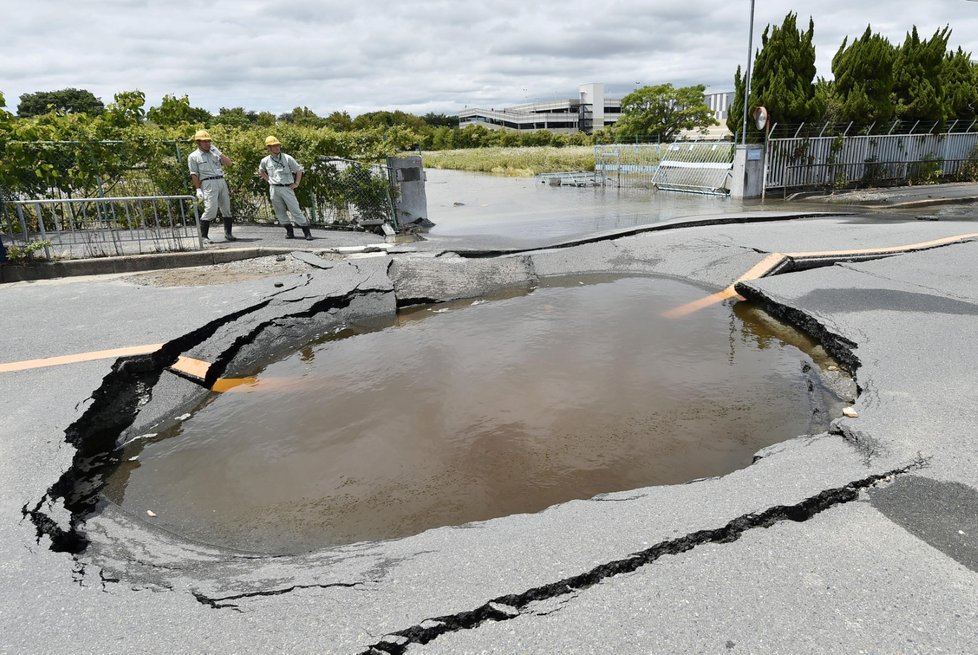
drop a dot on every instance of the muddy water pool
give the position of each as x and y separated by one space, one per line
474 410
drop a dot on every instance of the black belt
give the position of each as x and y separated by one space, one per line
216 177
289 184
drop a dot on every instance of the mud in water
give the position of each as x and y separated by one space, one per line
471 411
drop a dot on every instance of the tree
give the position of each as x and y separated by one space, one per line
440 120
126 110
783 77
959 79
302 116
174 112
663 111
339 121
389 119
68 101
864 79
918 87
234 117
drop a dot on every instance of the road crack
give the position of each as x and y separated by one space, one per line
504 608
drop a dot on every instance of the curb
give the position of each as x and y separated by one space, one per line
131 263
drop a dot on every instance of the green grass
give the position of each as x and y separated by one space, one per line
517 162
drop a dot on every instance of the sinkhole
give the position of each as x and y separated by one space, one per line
468 411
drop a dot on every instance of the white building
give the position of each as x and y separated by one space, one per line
588 112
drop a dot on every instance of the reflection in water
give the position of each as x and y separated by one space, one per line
498 408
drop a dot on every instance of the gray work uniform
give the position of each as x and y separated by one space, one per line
208 169
281 170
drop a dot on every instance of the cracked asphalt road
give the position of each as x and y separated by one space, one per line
863 538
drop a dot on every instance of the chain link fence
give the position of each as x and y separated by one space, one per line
136 193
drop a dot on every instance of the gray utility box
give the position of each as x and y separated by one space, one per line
747 180
411 205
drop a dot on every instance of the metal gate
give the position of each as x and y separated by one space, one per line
696 167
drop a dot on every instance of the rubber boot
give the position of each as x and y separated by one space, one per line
205 227
305 231
289 232
227 229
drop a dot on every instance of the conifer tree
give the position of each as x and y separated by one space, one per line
783 77
863 83
959 79
918 86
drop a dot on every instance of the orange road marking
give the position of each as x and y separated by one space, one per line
924 245
80 357
773 260
760 269
196 368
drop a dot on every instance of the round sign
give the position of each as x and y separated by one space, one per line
760 117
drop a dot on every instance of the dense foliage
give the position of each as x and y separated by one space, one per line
876 82
125 150
74 101
783 77
663 111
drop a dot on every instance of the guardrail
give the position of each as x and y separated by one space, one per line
100 227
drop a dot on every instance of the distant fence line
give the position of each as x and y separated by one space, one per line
804 156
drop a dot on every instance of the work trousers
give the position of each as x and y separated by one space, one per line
216 196
283 199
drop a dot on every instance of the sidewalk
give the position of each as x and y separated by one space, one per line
251 241
902 196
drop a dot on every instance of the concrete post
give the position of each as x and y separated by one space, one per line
748 172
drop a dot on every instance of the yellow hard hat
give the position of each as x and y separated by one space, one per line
271 141
202 135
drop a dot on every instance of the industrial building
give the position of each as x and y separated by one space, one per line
588 112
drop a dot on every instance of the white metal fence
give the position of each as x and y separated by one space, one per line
696 167
870 160
99 227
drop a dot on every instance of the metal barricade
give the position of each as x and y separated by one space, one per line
101 227
696 167
627 164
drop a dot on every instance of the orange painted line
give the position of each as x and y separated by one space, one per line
129 351
770 262
760 269
924 245
193 367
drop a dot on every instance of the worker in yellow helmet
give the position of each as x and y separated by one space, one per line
283 174
207 175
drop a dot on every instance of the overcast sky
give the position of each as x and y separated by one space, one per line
418 56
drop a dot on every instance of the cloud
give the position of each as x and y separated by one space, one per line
429 55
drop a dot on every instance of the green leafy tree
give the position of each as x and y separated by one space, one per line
389 119
127 109
918 86
864 79
234 117
265 119
440 120
66 101
663 111
174 112
339 121
302 116
783 78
